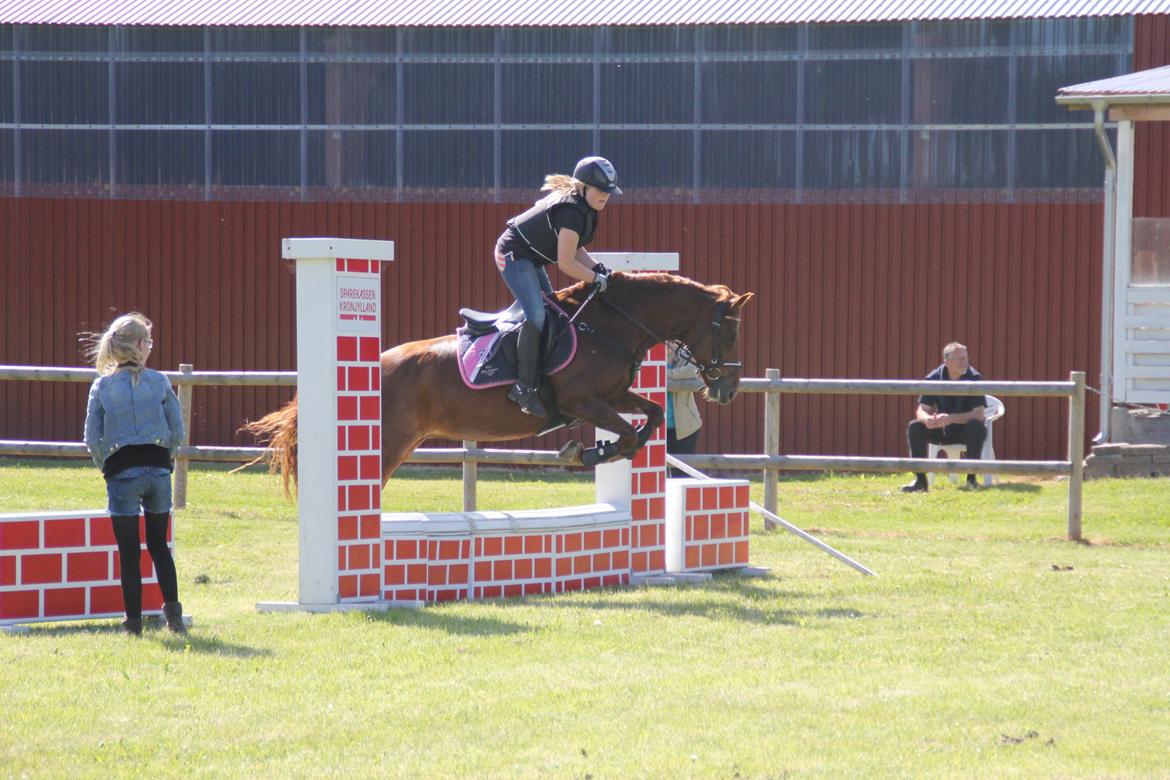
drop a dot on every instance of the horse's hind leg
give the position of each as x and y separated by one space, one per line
396 448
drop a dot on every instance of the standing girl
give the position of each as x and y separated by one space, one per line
555 230
133 427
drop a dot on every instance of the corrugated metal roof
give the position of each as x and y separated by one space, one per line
544 13
1150 86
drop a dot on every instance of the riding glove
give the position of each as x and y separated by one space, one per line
600 278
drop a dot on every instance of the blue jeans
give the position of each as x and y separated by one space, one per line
527 281
145 486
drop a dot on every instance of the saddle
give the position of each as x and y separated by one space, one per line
487 344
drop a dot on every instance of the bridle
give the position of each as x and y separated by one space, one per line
711 372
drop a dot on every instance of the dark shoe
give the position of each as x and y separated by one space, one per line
132 626
528 399
173 612
917 486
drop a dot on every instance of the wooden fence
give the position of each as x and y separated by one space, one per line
770 463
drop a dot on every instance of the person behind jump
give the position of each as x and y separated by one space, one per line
555 230
133 427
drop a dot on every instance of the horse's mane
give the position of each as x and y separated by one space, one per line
641 283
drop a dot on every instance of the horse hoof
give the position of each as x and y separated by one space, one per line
590 457
571 453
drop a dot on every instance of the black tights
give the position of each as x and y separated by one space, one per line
130 554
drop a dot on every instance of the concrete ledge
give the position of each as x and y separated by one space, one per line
669 578
1128 460
361 606
753 571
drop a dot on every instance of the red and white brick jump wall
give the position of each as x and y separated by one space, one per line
65 566
707 524
453 556
641 484
351 554
339 436
359 464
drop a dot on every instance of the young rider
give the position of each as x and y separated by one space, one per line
555 230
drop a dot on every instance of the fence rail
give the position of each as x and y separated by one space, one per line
771 462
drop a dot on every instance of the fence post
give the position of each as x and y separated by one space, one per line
1076 453
470 473
185 391
771 446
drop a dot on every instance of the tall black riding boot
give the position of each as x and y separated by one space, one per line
525 392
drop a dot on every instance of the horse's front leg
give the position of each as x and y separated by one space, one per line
602 415
632 403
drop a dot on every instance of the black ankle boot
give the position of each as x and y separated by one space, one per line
919 485
173 612
132 626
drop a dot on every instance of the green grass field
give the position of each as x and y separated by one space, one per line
988 646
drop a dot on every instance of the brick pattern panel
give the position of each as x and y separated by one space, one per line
648 474
708 528
439 567
359 460
404 572
515 564
64 566
449 565
592 558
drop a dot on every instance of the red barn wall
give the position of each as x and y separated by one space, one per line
857 290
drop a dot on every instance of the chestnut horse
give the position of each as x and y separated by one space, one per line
424 397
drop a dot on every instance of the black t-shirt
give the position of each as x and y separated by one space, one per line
561 216
565 216
137 455
953 404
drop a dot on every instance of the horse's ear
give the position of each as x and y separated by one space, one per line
740 300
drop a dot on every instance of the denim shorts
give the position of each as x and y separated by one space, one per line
145 486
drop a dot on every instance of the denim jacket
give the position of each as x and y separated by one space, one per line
122 413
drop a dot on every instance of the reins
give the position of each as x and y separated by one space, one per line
684 350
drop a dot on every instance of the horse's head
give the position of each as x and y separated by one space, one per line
713 342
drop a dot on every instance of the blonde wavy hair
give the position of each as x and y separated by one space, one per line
563 184
120 347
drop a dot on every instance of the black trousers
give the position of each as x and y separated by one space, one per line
130 554
972 434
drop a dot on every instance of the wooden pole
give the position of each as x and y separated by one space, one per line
181 463
470 474
771 447
1076 453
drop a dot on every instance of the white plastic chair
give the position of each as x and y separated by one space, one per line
993 410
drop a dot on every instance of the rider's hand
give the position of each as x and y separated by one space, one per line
600 278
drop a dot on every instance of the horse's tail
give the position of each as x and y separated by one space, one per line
278 432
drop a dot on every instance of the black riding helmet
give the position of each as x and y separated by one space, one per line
598 172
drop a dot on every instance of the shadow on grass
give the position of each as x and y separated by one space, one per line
726 596
195 642
443 620
192 641
1013 487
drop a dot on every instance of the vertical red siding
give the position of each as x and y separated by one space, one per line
1151 182
842 291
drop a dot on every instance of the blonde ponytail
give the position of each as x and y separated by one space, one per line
562 184
120 346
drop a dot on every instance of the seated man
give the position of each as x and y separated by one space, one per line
948 419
